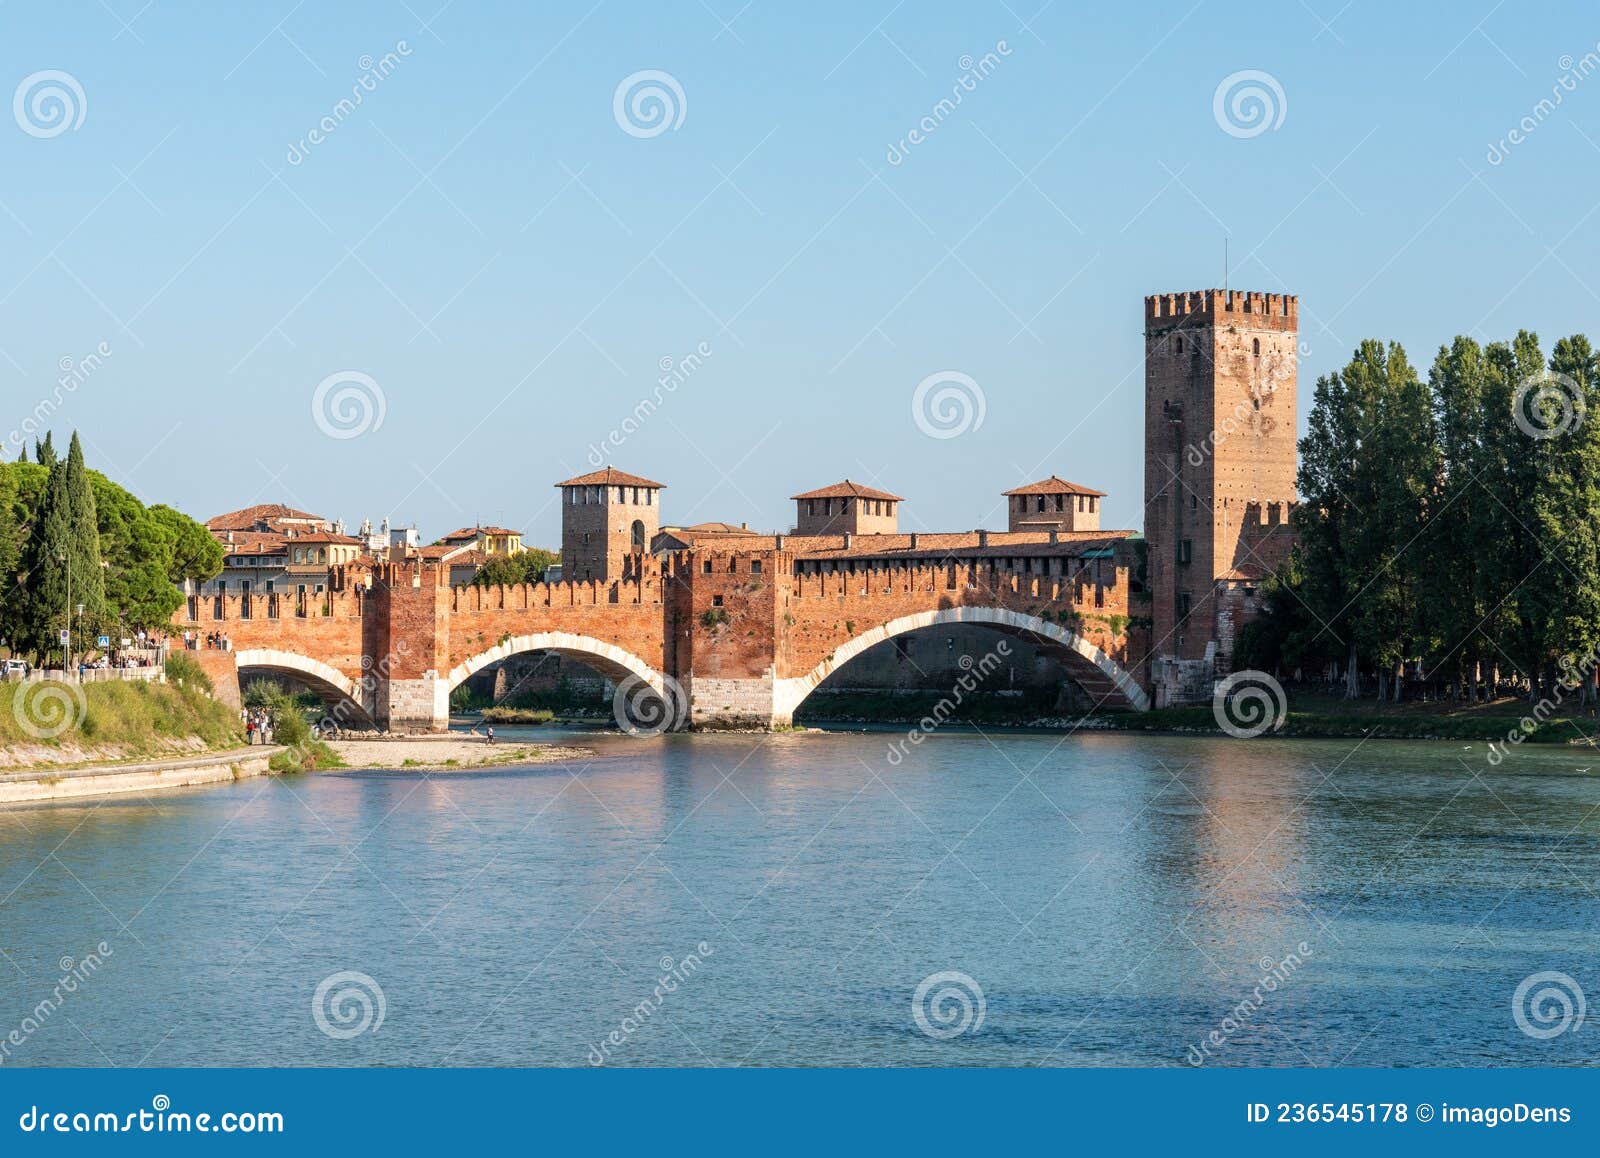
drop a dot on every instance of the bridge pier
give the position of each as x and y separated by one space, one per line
725 705
414 705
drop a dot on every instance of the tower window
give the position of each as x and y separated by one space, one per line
1256 343
1180 345
705 568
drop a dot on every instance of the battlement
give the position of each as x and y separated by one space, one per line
1212 306
1274 514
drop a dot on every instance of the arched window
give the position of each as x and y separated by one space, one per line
1180 345
638 536
1257 344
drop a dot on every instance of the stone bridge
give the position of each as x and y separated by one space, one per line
734 634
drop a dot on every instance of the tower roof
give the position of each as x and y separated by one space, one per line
611 476
1054 486
848 490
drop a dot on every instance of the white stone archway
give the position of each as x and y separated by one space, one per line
321 677
611 661
789 693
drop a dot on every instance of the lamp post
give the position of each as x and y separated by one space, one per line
66 615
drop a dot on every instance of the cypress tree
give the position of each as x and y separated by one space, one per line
45 608
44 453
88 579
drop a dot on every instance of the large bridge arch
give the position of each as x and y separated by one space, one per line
614 663
348 697
788 694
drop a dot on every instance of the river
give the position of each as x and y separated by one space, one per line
1097 899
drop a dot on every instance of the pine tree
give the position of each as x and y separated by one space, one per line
22 455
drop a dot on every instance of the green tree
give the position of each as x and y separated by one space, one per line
45 609
88 576
527 566
44 453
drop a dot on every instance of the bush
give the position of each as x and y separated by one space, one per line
187 671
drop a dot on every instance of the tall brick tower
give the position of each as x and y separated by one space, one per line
1219 472
607 516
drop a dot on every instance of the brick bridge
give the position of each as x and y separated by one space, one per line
734 633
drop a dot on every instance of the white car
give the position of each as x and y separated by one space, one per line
14 667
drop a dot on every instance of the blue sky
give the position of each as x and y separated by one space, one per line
508 266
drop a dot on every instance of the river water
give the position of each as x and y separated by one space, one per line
1098 899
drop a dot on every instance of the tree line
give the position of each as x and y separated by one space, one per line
1448 532
71 538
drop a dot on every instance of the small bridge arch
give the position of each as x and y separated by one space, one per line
790 693
348 697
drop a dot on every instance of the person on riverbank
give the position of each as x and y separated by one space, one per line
490 734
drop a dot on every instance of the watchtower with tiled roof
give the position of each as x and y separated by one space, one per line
607 515
1053 504
846 507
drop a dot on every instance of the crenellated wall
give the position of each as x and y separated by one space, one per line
743 631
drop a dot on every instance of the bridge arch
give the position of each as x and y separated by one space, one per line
790 693
612 662
347 695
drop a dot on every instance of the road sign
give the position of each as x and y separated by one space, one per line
103 641
66 637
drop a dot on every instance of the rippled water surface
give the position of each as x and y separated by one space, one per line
1114 898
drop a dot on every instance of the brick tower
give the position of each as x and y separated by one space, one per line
607 517
1219 472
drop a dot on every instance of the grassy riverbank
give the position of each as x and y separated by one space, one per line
1331 716
49 724
1309 714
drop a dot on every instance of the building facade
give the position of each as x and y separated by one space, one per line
1219 467
1054 504
846 508
608 517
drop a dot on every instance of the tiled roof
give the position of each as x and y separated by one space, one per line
474 532
848 490
940 546
248 517
330 537
611 476
1055 486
